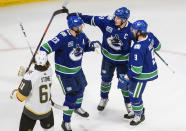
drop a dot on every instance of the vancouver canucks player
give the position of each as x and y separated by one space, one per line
69 46
142 68
115 49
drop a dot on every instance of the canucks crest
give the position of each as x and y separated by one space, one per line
76 53
114 42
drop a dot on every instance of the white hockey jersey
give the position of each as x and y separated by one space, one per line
35 89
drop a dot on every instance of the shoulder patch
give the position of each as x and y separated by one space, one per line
55 40
109 29
63 34
137 46
70 44
109 17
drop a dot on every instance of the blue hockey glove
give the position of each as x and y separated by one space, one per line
95 44
123 82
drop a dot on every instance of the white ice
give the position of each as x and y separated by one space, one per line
164 98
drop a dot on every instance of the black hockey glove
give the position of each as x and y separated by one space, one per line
65 10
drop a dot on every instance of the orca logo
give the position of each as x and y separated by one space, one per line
114 42
76 54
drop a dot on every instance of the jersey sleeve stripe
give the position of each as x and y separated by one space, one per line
20 97
146 76
158 48
47 47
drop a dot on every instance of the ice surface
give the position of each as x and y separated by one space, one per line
164 98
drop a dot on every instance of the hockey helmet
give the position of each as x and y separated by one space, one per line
122 12
74 21
41 58
140 25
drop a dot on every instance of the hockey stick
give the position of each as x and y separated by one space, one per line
59 106
54 14
164 62
63 10
23 31
52 102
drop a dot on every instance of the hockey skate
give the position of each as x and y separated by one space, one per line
130 113
138 119
66 126
102 104
81 112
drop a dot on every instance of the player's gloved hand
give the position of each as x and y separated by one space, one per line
65 10
74 14
13 94
21 71
95 44
123 82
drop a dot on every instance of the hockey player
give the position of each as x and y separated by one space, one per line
35 90
115 49
142 68
69 46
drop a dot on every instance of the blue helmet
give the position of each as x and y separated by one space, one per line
74 21
122 12
140 25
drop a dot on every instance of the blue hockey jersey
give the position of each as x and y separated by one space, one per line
68 52
116 41
142 64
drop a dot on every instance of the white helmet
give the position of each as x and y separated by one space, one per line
41 58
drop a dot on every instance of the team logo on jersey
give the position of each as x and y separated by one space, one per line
114 42
76 54
109 29
70 44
